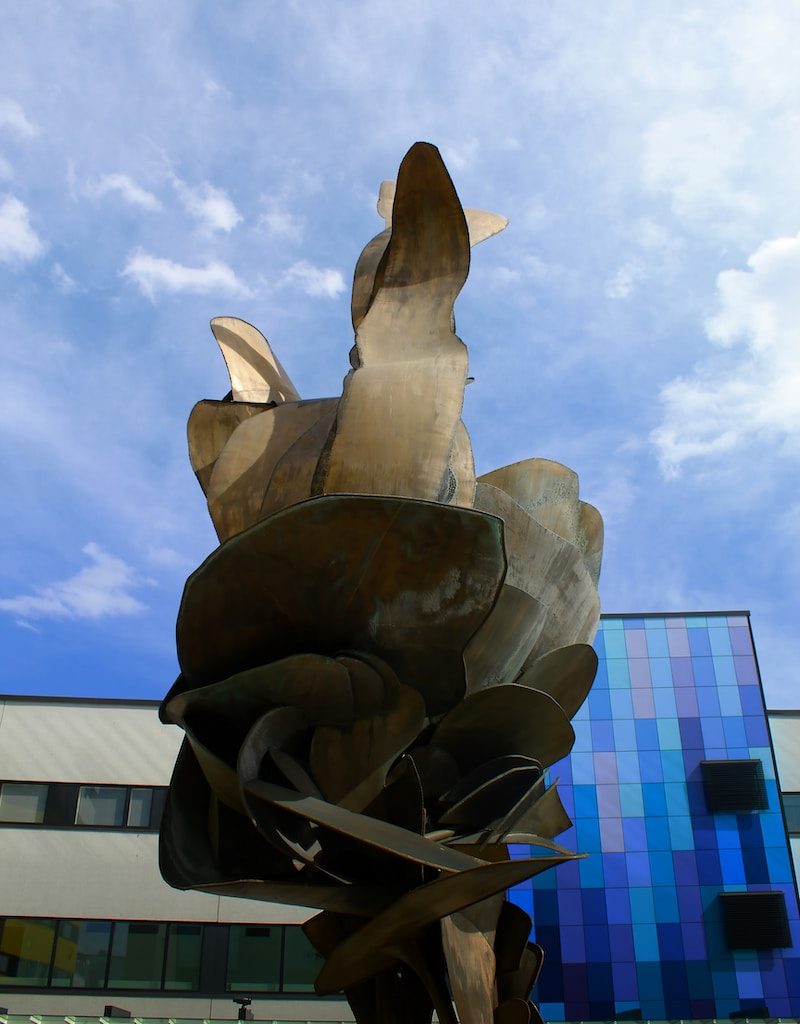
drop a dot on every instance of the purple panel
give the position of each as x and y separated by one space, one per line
678 641
570 908
682 674
611 835
639 669
575 981
636 642
689 904
773 975
746 674
643 706
605 767
675 622
685 868
624 973
691 733
569 874
694 940
608 801
686 702
740 640
573 950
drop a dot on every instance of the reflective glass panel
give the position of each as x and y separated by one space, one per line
183 956
137 955
101 805
23 802
301 962
26 946
139 808
254 958
81 954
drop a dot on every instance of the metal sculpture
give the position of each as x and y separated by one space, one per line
381 659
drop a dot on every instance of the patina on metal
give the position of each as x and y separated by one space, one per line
381 659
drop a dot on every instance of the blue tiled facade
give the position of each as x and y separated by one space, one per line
638 923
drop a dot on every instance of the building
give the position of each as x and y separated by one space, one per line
686 906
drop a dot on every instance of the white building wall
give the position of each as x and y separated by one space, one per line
64 872
785 729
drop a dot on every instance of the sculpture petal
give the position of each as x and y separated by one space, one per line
377 574
503 720
566 673
255 372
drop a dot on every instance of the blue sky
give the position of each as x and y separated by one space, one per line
639 320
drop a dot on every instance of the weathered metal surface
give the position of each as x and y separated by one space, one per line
255 371
371 573
382 657
409 359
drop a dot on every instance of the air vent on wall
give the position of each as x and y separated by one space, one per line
734 785
755 920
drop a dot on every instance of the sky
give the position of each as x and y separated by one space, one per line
639 320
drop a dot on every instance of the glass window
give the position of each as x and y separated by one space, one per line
254 958
137 955
26 946
81 954
23 802
183 956
301 962
139 808
101 805
791 804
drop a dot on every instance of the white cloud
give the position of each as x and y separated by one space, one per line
63 282
100 589
210 206
318 282
126 188
6 170
19 243
749 390
155 274
281 223
699 159
621 284
13 117
461 156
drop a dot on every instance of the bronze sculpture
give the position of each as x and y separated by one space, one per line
382 657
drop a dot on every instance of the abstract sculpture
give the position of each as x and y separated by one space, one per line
382 657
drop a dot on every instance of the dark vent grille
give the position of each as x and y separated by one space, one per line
755 920
734 785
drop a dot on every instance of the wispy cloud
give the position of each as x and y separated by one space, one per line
621 284
126 188
318 282
19 243
61 279
103 588
154 274
281 223
13 118
748 390
210 206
